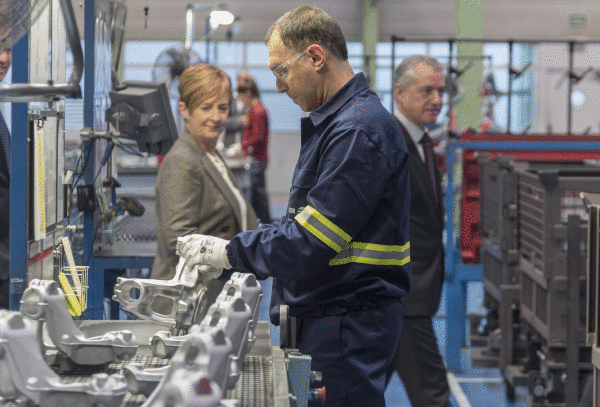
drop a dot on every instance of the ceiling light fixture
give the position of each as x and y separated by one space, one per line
220 16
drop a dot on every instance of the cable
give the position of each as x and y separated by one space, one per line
130 150
107 153
85 163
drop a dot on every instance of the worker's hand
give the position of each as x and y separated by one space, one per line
191 276
198 250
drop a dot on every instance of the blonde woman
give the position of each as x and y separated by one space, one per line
195 192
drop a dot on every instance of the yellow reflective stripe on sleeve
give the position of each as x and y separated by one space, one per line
322 228
370 253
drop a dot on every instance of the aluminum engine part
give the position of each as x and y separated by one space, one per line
25 376
246 286
232 314
204 356
220 364
142 380
194 391
44 301
176 302
240 285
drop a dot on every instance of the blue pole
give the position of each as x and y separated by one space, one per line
95 305
18 178
454 325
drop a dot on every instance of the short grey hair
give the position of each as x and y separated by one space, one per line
303 26
404 71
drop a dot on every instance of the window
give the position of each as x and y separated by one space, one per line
140 57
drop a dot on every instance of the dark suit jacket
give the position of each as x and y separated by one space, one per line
192 197
426 247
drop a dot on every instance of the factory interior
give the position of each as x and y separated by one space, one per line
92 107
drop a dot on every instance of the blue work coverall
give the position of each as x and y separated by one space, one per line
340 259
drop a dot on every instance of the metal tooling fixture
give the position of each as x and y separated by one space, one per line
207 359
24 375
298 376
45 302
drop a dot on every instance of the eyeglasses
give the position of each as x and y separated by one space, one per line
281 72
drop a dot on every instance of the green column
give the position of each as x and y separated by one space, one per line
469 24
370 32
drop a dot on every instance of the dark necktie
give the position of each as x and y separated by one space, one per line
5 138
427 144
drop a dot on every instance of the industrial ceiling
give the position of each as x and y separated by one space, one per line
502 19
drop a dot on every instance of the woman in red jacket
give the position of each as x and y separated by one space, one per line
255 144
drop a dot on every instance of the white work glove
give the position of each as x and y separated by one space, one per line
198 250
191 276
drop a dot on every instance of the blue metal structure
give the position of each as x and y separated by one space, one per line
94 310
458 275
97 85
18 178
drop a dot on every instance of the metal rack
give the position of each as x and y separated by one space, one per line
499 258
592 295
458 275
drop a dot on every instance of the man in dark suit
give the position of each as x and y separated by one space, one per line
418 89
5 61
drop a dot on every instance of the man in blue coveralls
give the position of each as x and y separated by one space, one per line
341 258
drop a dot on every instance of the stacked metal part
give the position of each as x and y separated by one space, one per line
25 375
205 363
214 350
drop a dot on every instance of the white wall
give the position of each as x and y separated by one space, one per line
552 88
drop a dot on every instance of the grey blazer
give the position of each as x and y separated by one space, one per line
192 197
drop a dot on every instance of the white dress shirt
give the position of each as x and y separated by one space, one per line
414 131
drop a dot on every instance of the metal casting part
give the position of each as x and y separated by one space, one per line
205 354
45 301
217 361
240 285
175 302
25 376
246 286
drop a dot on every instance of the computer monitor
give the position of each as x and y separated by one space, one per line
141 111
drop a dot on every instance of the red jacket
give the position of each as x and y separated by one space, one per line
256 133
